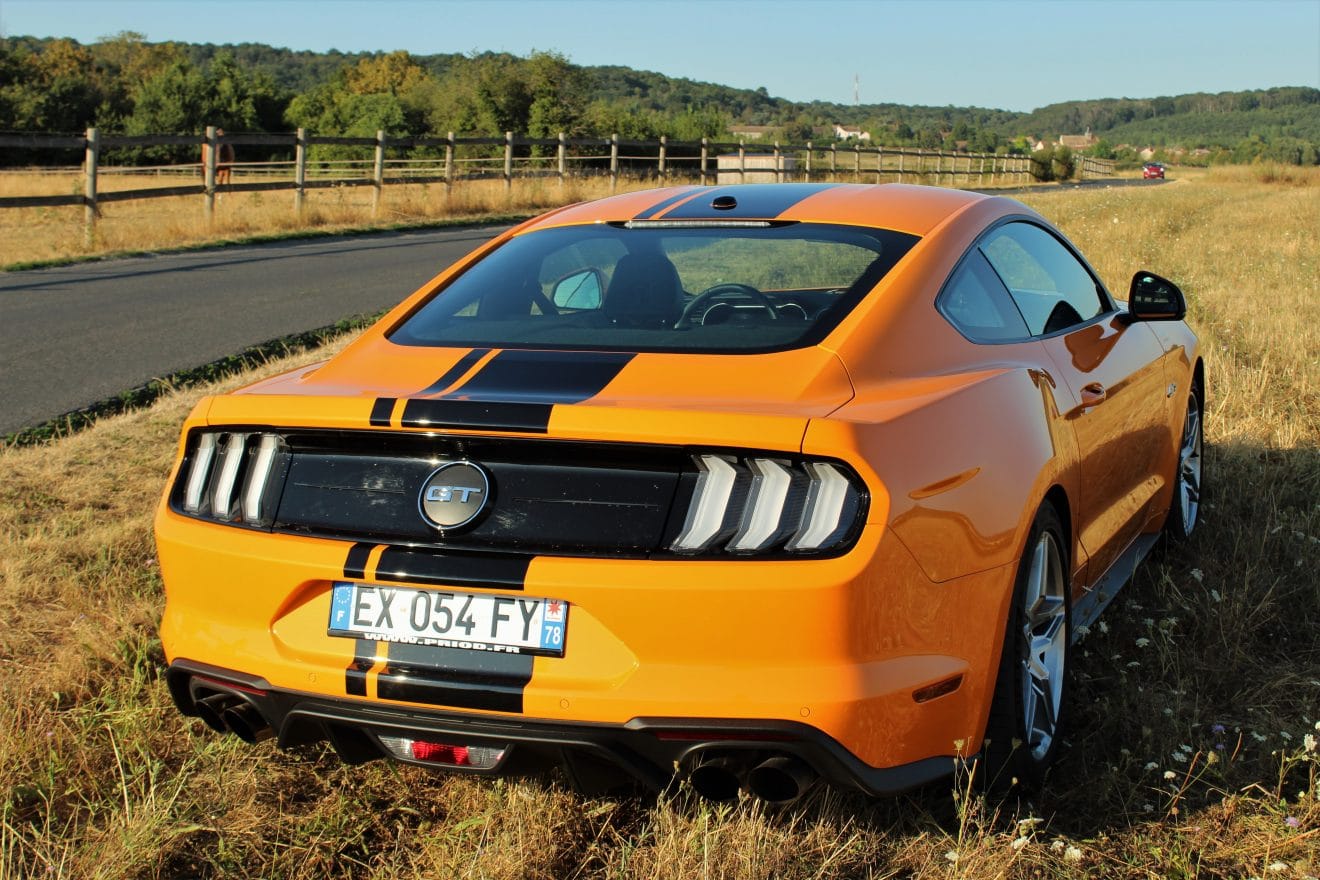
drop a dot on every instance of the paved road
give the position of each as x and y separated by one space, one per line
76 335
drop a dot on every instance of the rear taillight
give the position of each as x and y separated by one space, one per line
233 477
444 754
759 504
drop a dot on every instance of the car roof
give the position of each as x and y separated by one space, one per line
901 207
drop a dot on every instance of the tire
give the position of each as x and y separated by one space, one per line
1185 506
1027 711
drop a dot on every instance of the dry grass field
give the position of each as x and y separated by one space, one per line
32 234
1195 707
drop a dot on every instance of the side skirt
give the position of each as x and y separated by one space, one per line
1086 610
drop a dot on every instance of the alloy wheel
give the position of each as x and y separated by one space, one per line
1044 630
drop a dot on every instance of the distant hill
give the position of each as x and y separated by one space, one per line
126 83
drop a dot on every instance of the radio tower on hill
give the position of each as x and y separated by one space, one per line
857 90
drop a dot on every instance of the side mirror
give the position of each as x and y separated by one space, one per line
580 290
1152 298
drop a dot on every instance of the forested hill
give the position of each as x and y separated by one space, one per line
124 83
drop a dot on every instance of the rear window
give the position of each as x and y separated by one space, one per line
658 287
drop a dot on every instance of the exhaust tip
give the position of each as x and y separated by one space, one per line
780 780
716 780
248 724
212 711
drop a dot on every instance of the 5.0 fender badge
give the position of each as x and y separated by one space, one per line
454 495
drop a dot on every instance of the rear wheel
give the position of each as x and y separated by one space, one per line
1026 716
1185 509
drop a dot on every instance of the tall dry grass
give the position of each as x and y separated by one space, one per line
33 234
1188 755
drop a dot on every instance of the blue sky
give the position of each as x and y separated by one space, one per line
1011 55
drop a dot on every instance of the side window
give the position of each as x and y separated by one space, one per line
1051 288
976 302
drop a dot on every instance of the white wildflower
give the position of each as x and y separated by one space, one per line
1072 854
1308 742
1104 627
1082 632
1141 643
1149 622
1185 748
1277 867
1197 575
1147 808
1287 737
1020 842
1179 757
1151 765
1169 774
1260 738
1214 594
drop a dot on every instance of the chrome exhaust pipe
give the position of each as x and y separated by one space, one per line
212 710
716 779
247 723
780 780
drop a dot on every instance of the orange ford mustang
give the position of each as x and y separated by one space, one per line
757 484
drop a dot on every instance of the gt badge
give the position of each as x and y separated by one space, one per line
453 495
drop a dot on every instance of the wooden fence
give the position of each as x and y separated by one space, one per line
509 157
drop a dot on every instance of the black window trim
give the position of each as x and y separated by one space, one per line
975 247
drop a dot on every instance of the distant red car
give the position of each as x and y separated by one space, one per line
1152 170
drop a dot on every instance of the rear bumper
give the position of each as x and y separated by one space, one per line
595 757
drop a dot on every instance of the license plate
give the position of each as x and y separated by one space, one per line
446 619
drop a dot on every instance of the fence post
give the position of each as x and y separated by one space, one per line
90 210
834 162
378 173
705 149
779 164
299 172
614 161
901 153
562 155
664 142
508 161
880 164
857 162
742 161
449 164
808 162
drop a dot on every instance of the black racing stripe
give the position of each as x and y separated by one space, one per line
355 677
543 376
355 566
660 206
455 677
756 200
364 650
532 418
401 565
380 412
456 372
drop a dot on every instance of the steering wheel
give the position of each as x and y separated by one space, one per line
695 312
